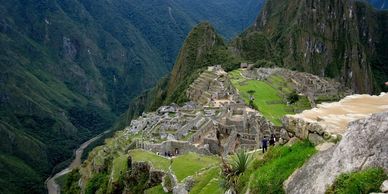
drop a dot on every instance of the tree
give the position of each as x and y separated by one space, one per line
293 97
251 92
251 98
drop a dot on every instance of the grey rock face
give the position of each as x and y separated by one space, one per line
384 186
315 139
365 144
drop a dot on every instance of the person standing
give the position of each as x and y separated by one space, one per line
272 140
264 144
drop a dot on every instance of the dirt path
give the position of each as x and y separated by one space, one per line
52 186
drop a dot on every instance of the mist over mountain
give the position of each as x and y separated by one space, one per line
379 4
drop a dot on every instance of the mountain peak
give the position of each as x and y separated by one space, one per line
198 51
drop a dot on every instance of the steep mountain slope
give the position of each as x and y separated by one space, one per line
339 39
67 68
203 47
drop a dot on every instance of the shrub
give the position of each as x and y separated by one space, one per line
233 169
365 181
71 183
293 97
168 183
264 63
98 182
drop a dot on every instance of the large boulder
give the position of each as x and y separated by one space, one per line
363 145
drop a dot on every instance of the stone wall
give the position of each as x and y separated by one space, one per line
170 146
314 132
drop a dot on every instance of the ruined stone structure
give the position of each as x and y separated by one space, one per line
312 86
215 109
212 85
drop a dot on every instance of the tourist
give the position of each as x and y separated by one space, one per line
264 144
272 140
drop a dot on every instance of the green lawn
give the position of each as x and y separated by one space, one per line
365 181
269 96
268 174
212 187
208 180
119 167
189 164
157 162
155 190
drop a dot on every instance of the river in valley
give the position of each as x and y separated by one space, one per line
52 186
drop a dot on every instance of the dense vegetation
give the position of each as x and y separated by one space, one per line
365 181
69 68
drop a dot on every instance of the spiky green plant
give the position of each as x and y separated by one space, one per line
234 168
241 161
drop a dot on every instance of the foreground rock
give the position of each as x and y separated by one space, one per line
363 145
384 186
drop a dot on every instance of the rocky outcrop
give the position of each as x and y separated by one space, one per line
384 186
363 145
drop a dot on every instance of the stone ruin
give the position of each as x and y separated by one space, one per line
312 86
215 109
212 85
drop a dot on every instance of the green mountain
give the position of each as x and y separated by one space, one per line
345 40
203 47
68 68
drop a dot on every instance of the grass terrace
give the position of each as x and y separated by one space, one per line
191 163
269 97
268 174
207 182
119 167
156 161
155 190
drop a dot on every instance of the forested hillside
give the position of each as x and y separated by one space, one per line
68 68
